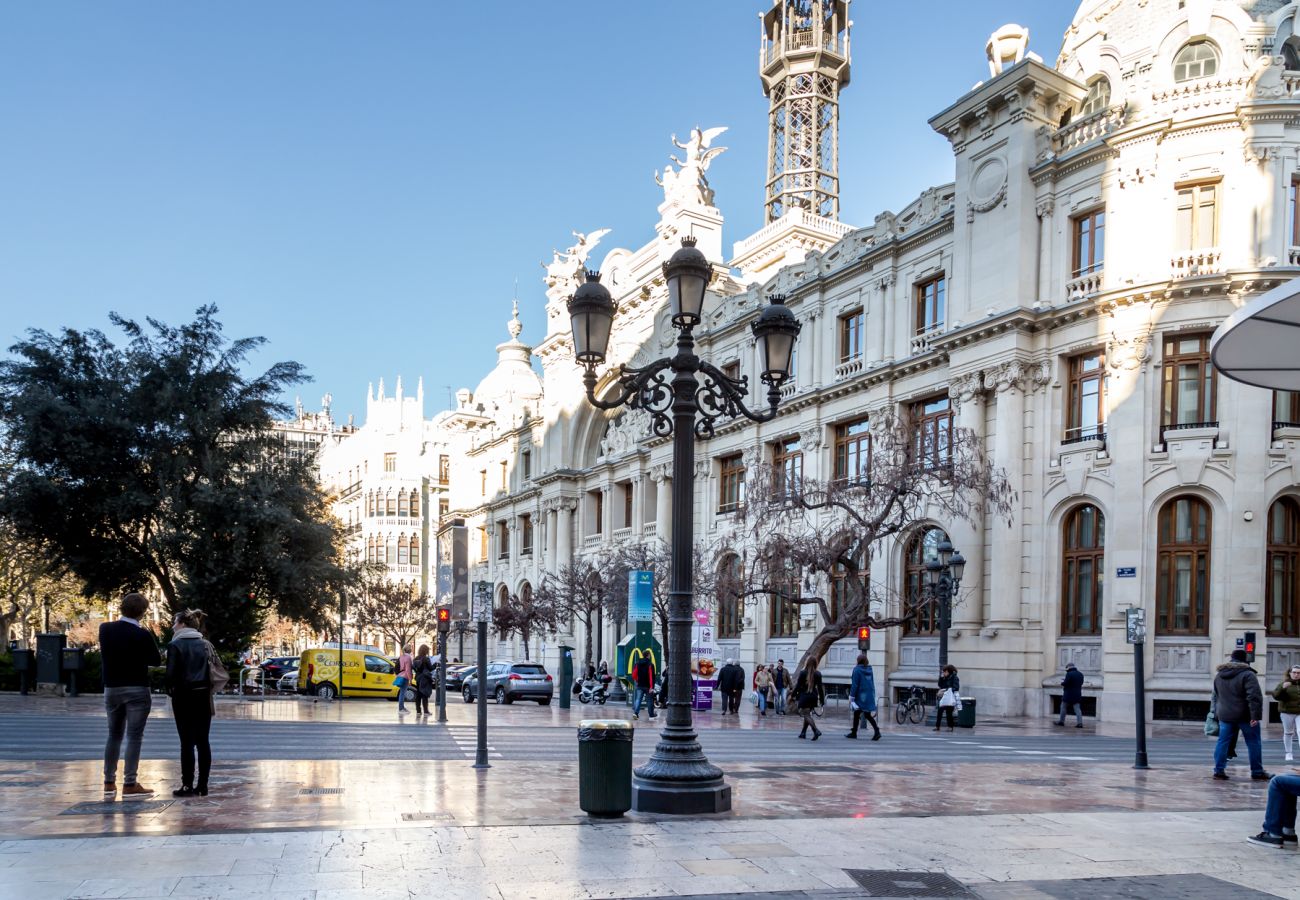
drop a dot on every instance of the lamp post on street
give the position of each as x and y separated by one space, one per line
678 778
943 575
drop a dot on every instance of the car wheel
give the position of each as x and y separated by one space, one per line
500 695
546 702
326 691
469 697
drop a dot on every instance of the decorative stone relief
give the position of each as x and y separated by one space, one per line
1282 655
989 184
919 653
810 439
625 432
687 185
1128 353
966 387
1086 657
1009 376
661 472
1189 659
564 272
1045 207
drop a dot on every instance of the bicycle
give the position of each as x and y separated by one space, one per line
912 707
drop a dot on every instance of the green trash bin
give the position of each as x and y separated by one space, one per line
966 716
605 767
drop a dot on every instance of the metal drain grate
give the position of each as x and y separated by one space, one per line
318 792
892 883
114 808
428 817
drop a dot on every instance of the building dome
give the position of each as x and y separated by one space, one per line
512 384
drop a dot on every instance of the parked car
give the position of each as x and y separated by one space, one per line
509 681
277 666
456 676
288 682
365 673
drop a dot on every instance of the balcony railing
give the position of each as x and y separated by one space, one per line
1085 285
805 39
849 367
1081 433
1207 261
351 489
1088 129
923 340
592 540
622 533
1167 430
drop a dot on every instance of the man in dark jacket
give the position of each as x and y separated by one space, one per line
731 682
127 652
1239 706
1072 695
643 676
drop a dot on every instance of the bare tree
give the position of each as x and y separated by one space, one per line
526 614
397 611
655 556
793 531
578 591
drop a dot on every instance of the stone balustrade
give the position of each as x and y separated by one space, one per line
1088 129
1207 261
1084 286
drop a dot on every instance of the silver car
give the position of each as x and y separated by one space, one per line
510 681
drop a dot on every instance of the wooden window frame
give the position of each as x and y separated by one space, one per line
1282 571
932 432
731 482
1215 55
1168 551
1293 209
915 579
444 468
1173 358
850 327
1286 409
852 447
931 316
782 612
732 369
1079 377
526 464
1091 224
1076 553
1196 204
503 539
628 497
787 466
731 609
525 534
415 550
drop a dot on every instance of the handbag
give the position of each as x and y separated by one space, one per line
218 677
1211 725
400 681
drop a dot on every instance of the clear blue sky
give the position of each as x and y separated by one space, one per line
361 183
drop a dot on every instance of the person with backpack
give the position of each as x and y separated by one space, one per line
190 682
422 670
643 677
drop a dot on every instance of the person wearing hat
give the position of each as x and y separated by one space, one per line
1072 695
1239 705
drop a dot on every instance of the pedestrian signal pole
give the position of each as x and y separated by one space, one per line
864 638
1136 634
444 626
482 599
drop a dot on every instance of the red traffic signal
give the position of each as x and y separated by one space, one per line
444 619
864 637
1250 646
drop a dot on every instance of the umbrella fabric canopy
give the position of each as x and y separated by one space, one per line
1259 344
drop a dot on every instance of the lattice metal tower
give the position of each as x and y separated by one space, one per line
804 63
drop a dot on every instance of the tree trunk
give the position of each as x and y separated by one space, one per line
822 643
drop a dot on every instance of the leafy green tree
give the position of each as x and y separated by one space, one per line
153 461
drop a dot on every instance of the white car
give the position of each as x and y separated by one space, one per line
288 682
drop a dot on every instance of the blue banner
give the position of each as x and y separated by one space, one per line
640 595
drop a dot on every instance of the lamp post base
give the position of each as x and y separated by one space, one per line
678 797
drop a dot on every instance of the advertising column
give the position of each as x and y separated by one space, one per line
704 666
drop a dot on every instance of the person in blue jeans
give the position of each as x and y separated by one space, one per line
127 651
1279 815
780 686
1239 705
643 676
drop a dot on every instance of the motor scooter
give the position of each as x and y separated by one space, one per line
594 690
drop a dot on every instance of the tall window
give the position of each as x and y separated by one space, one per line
787 466
1282 587
731 483
930 297
390 551
1086 417
1098 96
444 507
370 503
370 549
483 543
1293 210
390 462
731 606
1083 566
923 547
402 507
1189 385
527 463
1198 59
403 551
503 540
932 421
504 471
1286 409
390 504
851 335
482 482
1183 567
526 534
598 511
783 602
731 369
1197 223
415 550
414 504
1089 242
853 452
444 468
626 490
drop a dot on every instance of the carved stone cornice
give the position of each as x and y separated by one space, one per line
1012 375
811 439
965 387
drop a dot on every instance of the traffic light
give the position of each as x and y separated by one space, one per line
444 619
864 637
1250 646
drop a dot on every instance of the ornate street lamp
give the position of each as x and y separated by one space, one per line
943 575
678 778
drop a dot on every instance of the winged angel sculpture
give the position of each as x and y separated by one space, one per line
564 271
687 184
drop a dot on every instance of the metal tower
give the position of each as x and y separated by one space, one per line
804 62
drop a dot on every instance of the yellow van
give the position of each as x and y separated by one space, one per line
366 672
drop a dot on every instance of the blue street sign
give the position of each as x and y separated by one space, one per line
640 595
1126 572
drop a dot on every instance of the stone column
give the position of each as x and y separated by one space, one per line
1009 380
564 534
883 343
638 505
606 513
967 395
663 504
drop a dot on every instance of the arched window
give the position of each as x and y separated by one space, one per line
390 551
1290 55
1083 539
1199 59
1098 96
731 606
403 551
415 550
415 504
391 504
401 502
1183 567
1282 592
783 602
922 548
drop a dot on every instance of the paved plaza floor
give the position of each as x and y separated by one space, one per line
873 819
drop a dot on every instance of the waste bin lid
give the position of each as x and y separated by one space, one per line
604 725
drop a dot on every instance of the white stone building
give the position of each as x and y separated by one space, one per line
1057 297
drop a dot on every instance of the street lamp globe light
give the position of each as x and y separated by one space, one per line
944 550
591 313
687 273
933 571
958 565
775 333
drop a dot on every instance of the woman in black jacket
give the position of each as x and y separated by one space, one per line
189 682
948 680
422 668
811 694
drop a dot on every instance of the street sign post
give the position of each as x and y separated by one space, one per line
1135 621
482 610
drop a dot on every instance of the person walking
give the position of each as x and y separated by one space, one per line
190 684
862 697
949 696
731 682
1072 695
127 651
404 672
422 669
643 677
1279 814
762 684
1287 694
810 693
780 686
1239 705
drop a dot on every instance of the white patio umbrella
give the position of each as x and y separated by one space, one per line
1259 344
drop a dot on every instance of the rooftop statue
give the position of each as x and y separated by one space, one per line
687 184
564 272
